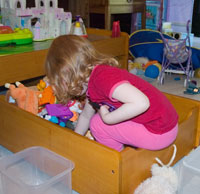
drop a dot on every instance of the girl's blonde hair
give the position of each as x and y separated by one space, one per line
69 63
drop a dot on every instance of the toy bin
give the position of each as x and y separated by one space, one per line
36 170
189 173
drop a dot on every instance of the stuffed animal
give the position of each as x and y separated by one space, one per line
164 179
47 96
142 61
136 67
41 85
26 98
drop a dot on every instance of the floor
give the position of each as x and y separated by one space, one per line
174 84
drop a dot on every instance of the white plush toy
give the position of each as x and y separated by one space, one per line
164 179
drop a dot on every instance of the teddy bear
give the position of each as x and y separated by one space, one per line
25 97
138 63
164 179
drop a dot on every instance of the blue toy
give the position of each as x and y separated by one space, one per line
152 71
56 120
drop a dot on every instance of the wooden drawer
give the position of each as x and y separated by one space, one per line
98 169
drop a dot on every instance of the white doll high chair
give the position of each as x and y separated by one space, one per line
177 57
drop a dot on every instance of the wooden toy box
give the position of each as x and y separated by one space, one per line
98 169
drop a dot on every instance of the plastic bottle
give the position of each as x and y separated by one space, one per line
78 27
116 29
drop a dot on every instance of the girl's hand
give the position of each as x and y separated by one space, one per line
84 118
103 111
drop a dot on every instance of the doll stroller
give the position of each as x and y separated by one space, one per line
177 57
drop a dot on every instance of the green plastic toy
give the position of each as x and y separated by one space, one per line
18 36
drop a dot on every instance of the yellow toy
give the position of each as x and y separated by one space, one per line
41 85
138 63
132 65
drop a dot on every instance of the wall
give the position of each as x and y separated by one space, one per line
179 12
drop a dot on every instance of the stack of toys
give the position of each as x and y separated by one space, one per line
41 22
144 67
45 20
41 101
18 36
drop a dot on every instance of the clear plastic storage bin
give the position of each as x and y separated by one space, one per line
36 170
189 173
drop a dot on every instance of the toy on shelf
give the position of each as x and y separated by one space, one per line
18 36
6 30
45 20
26 98
78 27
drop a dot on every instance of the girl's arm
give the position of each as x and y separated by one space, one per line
84 119
134 102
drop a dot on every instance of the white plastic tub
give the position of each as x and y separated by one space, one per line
36 170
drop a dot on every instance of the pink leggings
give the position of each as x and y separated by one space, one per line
129 133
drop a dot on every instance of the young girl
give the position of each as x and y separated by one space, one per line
120 108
